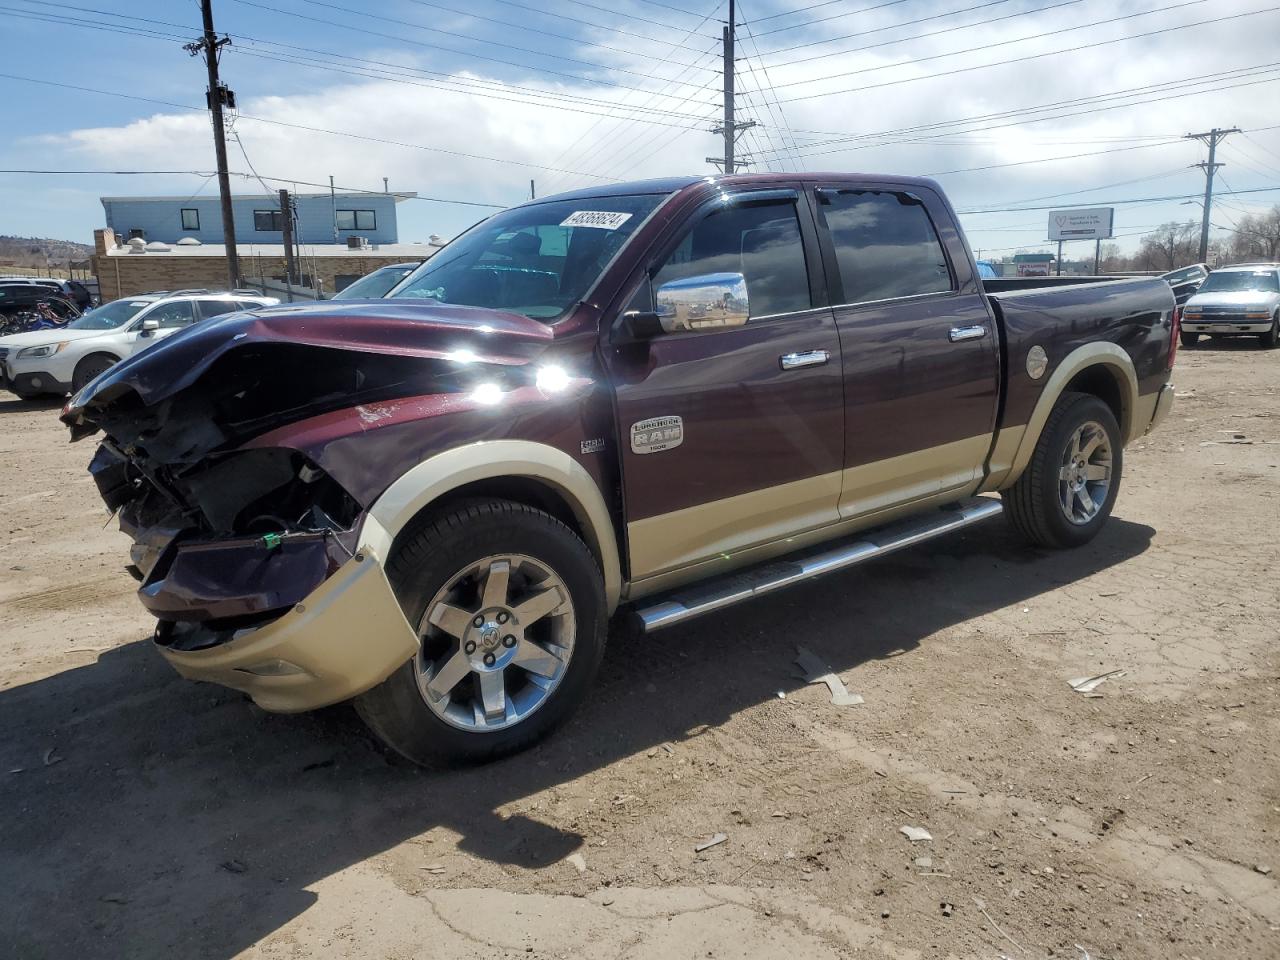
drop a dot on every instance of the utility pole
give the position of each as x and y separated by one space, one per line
286 226
1212 139
533 192
333 208
218 96
730 127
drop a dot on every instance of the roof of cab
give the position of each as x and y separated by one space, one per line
673 184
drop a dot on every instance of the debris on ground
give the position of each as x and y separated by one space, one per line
578 862
51 757
983 908
710 842
924 863
813 670
1262 868
114 898
233 866
1087 685
916 834
947 908
435 868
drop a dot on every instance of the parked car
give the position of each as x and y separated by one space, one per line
1236 301
1186 281
665 396
376 284
72 290
63 360
25 305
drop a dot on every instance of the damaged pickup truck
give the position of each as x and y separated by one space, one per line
665 397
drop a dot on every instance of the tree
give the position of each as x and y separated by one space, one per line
1257 236
1170 246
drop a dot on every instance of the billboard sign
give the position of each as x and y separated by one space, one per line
1093 224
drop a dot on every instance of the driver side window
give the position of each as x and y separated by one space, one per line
761 241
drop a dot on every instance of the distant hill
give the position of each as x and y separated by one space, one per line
38 251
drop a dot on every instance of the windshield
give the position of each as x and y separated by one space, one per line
110 315
1183 275
374 285
538 260
1235 281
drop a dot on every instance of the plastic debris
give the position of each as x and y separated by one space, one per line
434 868
1089 684
233 866
947 908
916 834
813 670
51 757
924 863
710 842
578 862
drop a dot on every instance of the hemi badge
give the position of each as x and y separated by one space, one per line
657 434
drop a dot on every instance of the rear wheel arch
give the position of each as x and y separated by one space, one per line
520 471
1102 370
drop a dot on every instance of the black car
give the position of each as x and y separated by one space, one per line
72 290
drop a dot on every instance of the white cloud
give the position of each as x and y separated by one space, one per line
519 133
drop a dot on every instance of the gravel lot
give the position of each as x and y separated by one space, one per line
146 816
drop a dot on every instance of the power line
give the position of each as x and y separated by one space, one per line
462 53
1116 203
1005 43
1073 156
917 36
304 127
450 82
815 22
548 33
1020 116
473 39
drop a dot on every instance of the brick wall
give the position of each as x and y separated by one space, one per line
129 274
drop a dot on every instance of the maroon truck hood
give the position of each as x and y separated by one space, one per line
407 328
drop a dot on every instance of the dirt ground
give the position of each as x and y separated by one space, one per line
145 816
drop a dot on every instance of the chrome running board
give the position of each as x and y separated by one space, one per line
689 602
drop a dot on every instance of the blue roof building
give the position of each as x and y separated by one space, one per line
321 217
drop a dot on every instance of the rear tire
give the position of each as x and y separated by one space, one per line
90 368
1066 493
509 607
1188 339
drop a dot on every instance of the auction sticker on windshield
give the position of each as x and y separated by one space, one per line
600 219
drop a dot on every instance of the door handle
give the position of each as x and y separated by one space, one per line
976 332
805 358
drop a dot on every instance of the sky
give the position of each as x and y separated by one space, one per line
1014 106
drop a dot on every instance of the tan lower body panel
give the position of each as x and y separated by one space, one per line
348 635
665 549
682 537
914 476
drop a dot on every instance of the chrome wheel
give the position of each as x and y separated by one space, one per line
1084 478
495 642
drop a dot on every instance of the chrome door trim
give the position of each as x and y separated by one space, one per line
975 332
803 358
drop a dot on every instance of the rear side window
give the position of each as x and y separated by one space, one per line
213 308
885 245
174 314
761 241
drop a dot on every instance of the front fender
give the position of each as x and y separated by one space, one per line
421 485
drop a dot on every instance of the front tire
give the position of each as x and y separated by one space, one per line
89 369
509 608
1066 493
1188 340
1270 339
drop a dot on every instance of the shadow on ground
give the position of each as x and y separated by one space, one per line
184 822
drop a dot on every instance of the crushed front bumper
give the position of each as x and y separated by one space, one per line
345 637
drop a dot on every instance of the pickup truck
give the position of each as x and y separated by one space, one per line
650 399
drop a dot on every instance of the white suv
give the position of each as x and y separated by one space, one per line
61 360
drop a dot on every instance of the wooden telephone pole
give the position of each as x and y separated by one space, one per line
219 96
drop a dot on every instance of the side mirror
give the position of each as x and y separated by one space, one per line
149 326
708 302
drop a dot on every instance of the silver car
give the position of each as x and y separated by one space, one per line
1238 301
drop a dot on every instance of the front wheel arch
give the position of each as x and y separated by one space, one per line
86 363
